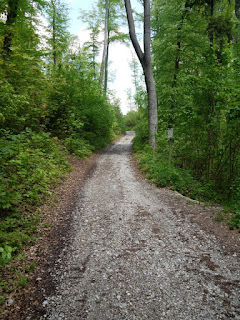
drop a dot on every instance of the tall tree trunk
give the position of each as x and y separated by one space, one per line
146 62
105 43
106 68
54 46
11 18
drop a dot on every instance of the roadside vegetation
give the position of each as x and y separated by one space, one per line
196 63
51 104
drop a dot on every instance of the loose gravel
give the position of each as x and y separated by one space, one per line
130 256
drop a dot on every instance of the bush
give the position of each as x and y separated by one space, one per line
141 139
16 231
30 164
131 119
78 146
234 222
157 168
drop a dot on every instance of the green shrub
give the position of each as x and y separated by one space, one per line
141 139
78 146
6 254
16 230
30 164
157 168
234 222
131 119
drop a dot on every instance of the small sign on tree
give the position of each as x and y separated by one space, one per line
170 133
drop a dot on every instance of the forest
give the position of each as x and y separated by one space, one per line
195 58
54 100
51 104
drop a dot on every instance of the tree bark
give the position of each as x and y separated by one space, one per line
11 18
54 34
105 44
146 62
106 68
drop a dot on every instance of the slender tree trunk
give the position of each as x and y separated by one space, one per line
54 34
94 53
11 18
94 61
106 68
105 44
146 62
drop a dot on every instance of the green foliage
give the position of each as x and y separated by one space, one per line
158 169
30 164
195 56
131 119
22 281
77 146
234 222
98 121
16 230
77 108
58 41
141 139
6 254
118 126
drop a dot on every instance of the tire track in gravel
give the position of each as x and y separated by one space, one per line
130 256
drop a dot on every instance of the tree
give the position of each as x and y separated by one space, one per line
93 19
105 45
113 18
57 17
107 14
145 60
22 88
16 10
196 65
11 19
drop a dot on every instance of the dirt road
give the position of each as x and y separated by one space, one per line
131 256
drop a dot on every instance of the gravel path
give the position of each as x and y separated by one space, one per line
131 257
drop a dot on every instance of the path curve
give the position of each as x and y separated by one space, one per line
131 257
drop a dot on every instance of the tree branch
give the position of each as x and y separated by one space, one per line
132 31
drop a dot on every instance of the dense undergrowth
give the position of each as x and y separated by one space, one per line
156 166
31 164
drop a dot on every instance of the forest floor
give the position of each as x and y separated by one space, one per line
120 248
